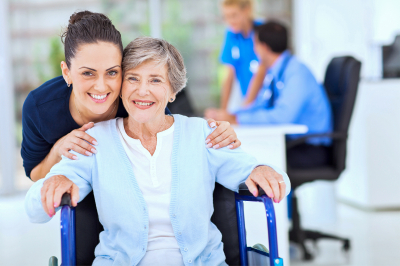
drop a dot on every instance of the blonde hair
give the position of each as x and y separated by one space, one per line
240 3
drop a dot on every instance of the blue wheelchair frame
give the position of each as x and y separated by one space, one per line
68 257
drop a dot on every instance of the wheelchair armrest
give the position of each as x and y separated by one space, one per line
66 200
301 140
244 191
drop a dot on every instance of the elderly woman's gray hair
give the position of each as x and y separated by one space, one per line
146 48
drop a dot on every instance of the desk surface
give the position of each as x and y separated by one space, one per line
250 130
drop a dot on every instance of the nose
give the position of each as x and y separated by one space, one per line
101 85
143 89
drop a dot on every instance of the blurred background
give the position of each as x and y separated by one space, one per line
363 205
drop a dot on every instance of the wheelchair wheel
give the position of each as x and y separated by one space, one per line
261 247
53 261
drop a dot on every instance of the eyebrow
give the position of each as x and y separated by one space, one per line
112 67
96 70
88 68
151 75
156 75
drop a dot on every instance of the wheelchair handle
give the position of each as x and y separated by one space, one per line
244 191
66 200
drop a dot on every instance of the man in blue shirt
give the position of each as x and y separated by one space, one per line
289 93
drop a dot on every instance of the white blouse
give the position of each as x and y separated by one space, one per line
153 175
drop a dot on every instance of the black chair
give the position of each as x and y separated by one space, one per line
182 104
341 83
87 227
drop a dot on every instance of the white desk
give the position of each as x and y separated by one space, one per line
267 144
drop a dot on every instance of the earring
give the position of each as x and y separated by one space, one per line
120 96
171 100
68 85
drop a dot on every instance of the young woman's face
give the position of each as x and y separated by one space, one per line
96 75
236 17
145 91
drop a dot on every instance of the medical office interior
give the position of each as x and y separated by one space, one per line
361 205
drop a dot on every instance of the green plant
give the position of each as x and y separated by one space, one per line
56 56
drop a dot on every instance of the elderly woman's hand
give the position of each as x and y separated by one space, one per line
52 191
269 180
223 136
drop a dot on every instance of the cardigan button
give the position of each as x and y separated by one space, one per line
190 261
185 249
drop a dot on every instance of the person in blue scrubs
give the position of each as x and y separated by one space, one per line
237 53
289 93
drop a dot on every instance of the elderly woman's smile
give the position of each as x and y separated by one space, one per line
143 104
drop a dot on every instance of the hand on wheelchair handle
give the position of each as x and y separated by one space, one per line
268 179
52 191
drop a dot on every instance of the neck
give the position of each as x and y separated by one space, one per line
271 59
248 26
84 115
148 130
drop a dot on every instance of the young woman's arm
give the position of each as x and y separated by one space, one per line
77 140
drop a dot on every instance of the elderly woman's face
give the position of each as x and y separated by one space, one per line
145 91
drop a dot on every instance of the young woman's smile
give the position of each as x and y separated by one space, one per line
99 98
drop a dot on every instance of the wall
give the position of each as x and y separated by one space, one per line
324 29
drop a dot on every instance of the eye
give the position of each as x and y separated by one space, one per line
87 73
132 79
156 80
113 73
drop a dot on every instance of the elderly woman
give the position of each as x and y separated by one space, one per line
153 177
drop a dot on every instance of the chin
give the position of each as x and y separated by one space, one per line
143 118
99 110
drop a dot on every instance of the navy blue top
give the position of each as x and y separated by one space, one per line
46 118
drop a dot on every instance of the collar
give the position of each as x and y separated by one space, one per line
275 69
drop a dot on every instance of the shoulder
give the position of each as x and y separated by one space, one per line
192 125
296 65
229 36
299 71
51 90
103 128
258 22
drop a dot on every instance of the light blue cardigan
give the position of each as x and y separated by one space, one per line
120 204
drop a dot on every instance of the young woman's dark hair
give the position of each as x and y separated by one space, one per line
274 35
86 27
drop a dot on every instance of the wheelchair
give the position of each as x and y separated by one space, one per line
228 217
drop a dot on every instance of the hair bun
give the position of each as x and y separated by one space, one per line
77 16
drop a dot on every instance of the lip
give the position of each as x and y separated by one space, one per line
99 101
142 107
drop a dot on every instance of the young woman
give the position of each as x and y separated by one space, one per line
56 115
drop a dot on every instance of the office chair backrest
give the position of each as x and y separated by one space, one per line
341 83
